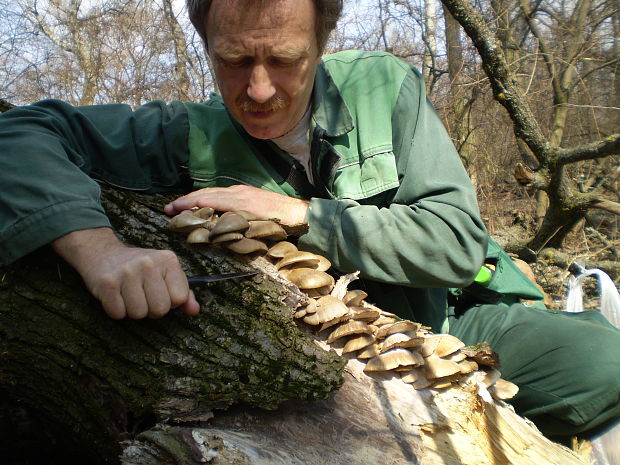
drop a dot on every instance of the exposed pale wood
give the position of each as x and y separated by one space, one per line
369 420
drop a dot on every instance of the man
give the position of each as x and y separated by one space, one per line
349 144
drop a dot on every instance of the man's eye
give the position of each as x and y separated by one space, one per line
285 62
236 63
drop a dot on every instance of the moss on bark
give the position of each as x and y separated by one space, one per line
94 381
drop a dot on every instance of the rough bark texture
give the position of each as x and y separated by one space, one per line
93 381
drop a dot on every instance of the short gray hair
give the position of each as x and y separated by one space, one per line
327 14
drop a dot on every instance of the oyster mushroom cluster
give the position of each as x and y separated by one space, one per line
385 342
240 231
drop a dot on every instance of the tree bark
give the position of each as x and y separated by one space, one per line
92 381
145 390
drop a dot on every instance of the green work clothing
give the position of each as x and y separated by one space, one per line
391 198
384 150
565 364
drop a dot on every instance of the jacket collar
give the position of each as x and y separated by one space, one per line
329 111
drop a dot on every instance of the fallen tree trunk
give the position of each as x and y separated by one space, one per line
189 390
92 380
369 420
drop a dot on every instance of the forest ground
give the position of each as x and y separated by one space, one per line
508 212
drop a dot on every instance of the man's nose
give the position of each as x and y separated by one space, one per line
260 88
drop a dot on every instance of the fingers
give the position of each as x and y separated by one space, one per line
129 282
238 197
143 283
200 198
262 203
191 307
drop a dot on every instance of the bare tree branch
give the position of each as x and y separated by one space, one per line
504 86
599 149
607 205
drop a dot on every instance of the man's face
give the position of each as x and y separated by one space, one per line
264 61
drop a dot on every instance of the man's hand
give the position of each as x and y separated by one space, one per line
264 204
129 282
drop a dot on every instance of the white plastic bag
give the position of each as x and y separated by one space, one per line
610 299
605 445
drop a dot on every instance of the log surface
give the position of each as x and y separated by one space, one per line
93 380
239 384
369 420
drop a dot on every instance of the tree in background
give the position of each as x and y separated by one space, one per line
99 52
553 65
578 32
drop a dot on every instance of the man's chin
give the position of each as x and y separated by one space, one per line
263 132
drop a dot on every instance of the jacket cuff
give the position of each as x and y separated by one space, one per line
47 225
322 216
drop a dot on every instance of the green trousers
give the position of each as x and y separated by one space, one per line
567 365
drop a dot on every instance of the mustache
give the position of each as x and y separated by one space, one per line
275 103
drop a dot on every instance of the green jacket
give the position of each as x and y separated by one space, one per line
391 198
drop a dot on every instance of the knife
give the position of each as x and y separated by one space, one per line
195 280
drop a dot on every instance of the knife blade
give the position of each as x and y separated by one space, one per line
196 280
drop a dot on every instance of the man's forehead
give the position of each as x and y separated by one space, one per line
232 48
240 15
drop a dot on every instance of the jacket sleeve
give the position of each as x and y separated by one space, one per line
429 233
50 151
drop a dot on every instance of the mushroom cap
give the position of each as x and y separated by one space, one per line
246 214
429 345
185 222
319 291
361 313
335 321
400 340
439 368
198 236
300 313
384 320
265 229
308 278
280 249
308 309
354 297
230 222
398 327
292 258
370 351
245 246
503 389
467 366
312 306
210 224
358 342
448 344
457 356
329 309
324 264
413 374
312 319
226 237
445 382
204 212
349 328
392 359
